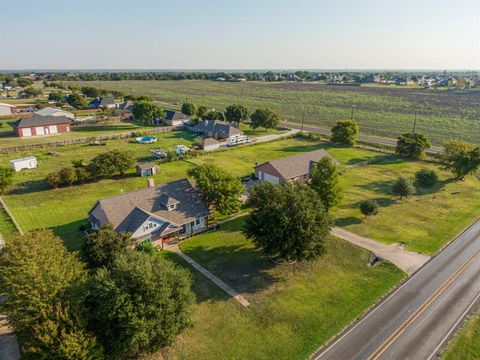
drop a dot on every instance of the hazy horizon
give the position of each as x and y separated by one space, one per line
214 35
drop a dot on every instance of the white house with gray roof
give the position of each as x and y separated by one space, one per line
154 213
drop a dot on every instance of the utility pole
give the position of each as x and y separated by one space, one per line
303 118
415 124
351 114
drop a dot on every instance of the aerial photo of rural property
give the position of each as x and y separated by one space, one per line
250 179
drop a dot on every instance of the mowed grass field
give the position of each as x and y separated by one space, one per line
466 343
8 137
293 311
446 209
425 222
384 111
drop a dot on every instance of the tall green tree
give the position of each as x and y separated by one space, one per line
265 118
288 221
220 190
345 132
403 187
202 112
114 162
147 112
461 158
214 115
6 178
189 109
140 304
44 286
56 96
412 145
236 114
77 100
103 245
324 180
32 91
90 91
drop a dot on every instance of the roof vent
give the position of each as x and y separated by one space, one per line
150 183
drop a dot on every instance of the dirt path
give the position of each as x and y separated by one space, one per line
217 281
408 261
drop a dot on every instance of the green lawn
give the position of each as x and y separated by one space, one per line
384 111
446 209
293 311
466 343
425 222
8 138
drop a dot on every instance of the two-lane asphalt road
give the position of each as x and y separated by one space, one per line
417 318
372 139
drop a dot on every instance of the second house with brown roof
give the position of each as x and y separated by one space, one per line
292 168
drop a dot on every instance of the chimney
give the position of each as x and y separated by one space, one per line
150 183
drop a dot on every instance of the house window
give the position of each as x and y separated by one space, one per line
172 207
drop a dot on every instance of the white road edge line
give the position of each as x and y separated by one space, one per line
392 294
454 326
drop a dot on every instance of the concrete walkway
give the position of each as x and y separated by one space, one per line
228 289
408 261
8 342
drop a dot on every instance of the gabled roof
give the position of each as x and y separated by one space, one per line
128 211
48 111
218 127
102 101
166 200
126 105
176 115
210 141
293 166
38 120
145 166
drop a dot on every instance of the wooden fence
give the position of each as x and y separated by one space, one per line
83 140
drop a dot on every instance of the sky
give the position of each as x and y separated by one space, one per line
240 34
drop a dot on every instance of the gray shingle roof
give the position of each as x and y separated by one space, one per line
48 111
221 128
38 120
128 211
176 115
293 166
102 102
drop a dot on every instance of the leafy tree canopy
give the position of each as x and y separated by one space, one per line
403 187
426 177
77 100
324 180
345 132
189 109
412 145
220 190
461 158
369 207
202 112
265 118
147 112
114 162
140 304
288 221
214 115
44 286
103 245
236 113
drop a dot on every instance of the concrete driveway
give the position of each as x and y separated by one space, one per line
8 341
408 261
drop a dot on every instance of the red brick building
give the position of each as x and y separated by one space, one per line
41 125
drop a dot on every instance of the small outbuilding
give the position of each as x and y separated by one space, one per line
146 169
24 163
210 144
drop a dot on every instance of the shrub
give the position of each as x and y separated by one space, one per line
54 179
67 175
403 187
426 177
412 145
369 207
